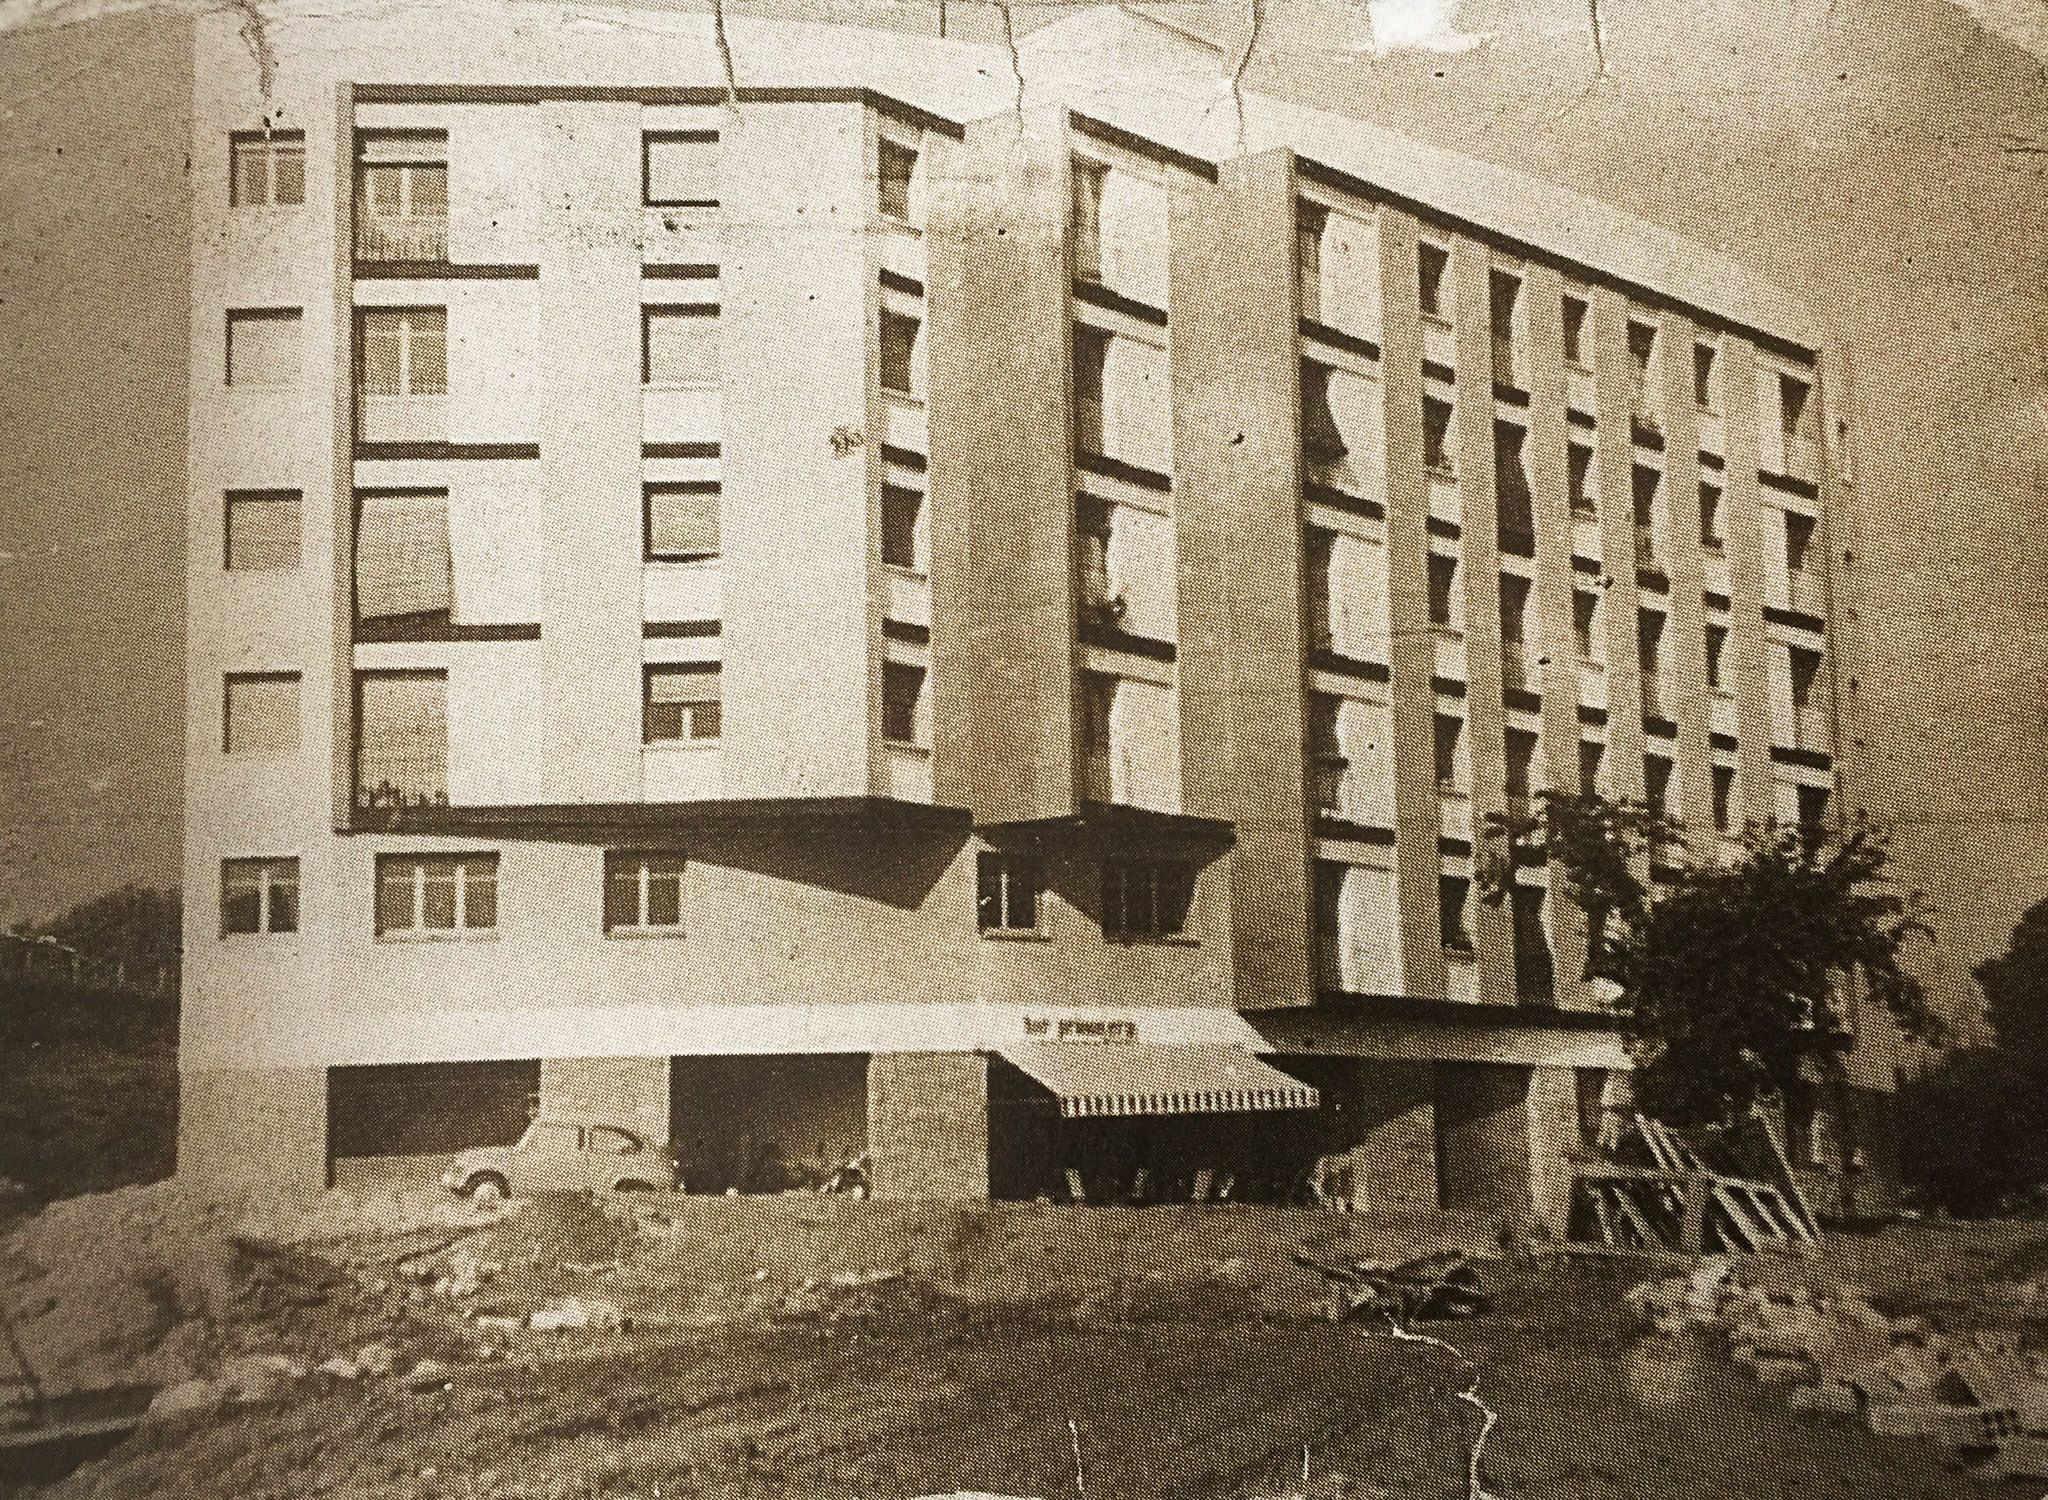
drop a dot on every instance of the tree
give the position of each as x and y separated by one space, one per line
2015 987
135 931
1731 977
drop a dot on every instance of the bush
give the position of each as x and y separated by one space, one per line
1973 1134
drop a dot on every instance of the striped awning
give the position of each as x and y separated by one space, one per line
1101 1080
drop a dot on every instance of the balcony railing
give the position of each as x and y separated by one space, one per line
402 237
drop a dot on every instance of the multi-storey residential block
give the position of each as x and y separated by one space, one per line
848 609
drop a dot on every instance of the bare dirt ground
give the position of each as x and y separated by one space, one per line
801 1346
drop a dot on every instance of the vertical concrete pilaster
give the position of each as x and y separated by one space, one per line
1747 649
1554 1137
928 1124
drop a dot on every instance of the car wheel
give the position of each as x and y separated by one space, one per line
487 1189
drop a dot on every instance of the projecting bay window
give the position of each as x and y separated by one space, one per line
1795 399
258 896
1803 587
1706 376
1642 363
679 169
1320 552
1717 657
1146 899
1723 792
1644 483
1518 670
681 704
1310 222
1094 531
401 740
1091 355
1519 777
267 168
643 893
1813 804
682 521
404 573
1657 783
1592 768
421 895
1577 352
1322 441
1443 586
402 196
1713 523
1449 745
1809 718
902 530
899 354
402 374
1009 887
1586 634
1649 657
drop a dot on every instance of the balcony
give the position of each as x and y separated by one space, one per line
402 238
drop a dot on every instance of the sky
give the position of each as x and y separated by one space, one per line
1886 160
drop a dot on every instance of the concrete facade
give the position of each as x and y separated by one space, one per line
743 545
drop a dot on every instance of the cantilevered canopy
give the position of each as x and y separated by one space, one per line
1099 1080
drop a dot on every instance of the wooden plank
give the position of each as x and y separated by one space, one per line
1790 1179
1692 1234
1647 1129
1634 1219
1745 1228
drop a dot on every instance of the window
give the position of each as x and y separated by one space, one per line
1534 969
1310 222
902 507
902 703
1642 353
1327 762
1146 898
1813 806
267 168
899 353
680 703
1329 917
1091 355
1578 468
1453 895
1649 656
1436 435
259 895
402 196
1431 262
1724 798
1799 531
1504 291
1711 534
404 352
1443 578
1644 482
1322 441
1521 763
603 1140
1008 884
1515 517
895 165
436 893
1514 610
1805 673
679 169
682 521
403 563
1717 652
643 892
1321 552
679 346
1704 389
1792 397
260 713
1657 783
262 531
1450 733
1592 764
1585 624
1575 311
1089 180
263 346
401 739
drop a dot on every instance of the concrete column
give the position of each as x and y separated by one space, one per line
1384 1117
1616 464
628 1091
1553 1115
245 1129
928 1124
1418 820
1002 500
1237 503
590 609
1749 661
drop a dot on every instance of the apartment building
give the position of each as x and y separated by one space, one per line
844 610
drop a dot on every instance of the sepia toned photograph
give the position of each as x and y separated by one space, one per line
1023 749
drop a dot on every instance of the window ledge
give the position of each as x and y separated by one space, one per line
1457 954
694 560
1437 320
248 937
904 570
1014 935
440 935
644 934
1131 940
908 747
670 746
680 385
908 400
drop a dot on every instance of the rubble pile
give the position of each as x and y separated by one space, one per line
1978 1395
1441 1286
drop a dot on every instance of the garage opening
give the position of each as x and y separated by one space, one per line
767 1124
396 1125
1482 1138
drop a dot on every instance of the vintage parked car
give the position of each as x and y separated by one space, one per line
564 1156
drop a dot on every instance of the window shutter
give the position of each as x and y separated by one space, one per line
402 557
